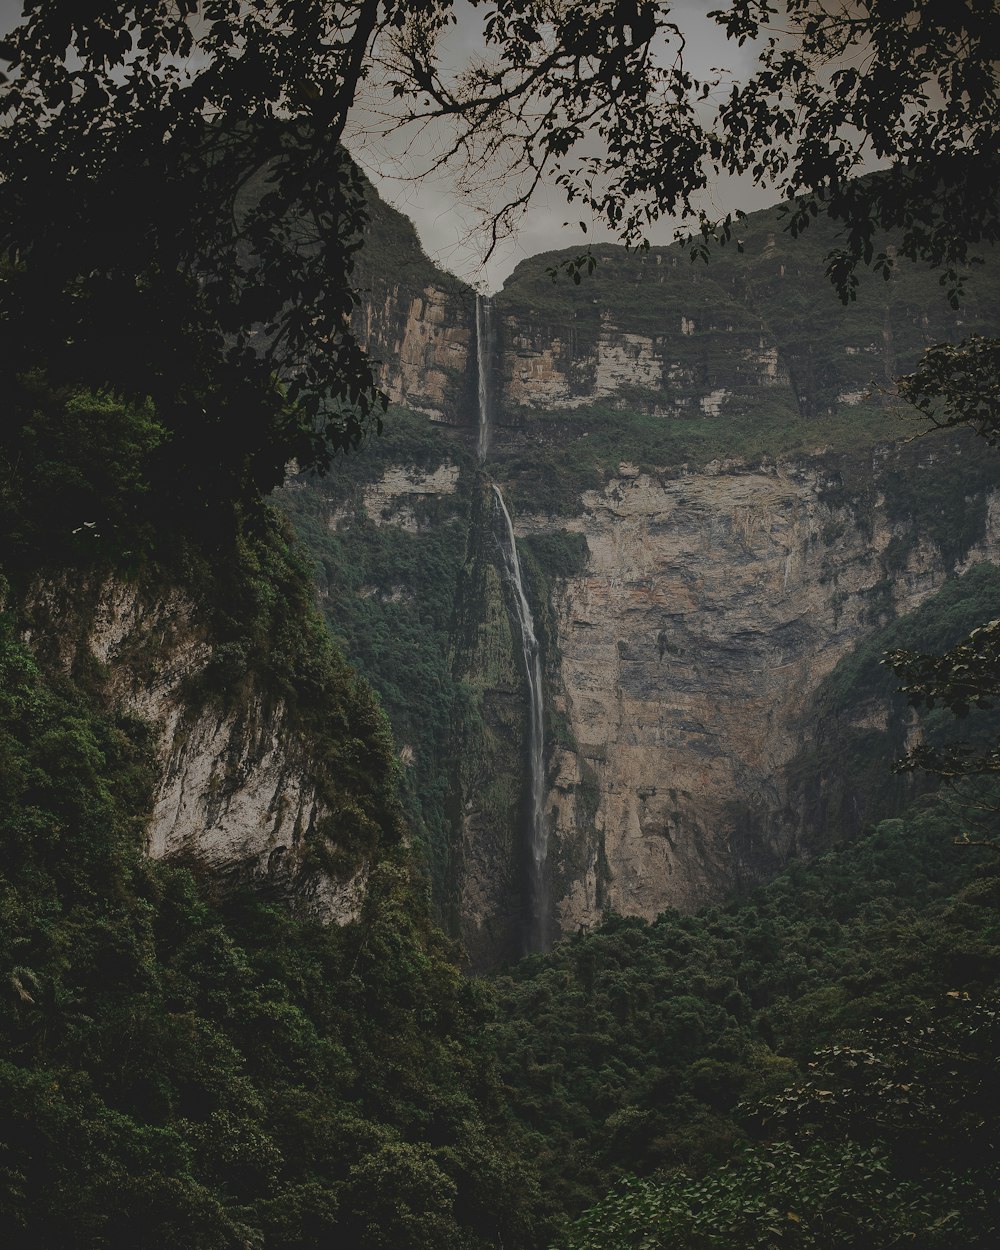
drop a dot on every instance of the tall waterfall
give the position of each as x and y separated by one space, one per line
537 935
484 348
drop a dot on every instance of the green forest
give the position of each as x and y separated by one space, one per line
279 1042
813 1064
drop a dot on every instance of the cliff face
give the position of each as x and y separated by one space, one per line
242 789
422 344
684 658
416 321
715 507
752 330
690 651
692 362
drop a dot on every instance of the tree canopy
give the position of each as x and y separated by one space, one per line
178 216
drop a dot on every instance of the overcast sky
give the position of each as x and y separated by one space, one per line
446 225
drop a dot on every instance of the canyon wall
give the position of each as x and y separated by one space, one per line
684 658
690 651
716 503
417 322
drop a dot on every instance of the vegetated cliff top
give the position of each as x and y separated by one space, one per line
392 255
762 277
747 356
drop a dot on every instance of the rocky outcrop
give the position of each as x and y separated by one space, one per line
685 660
421 344
237 791
395 498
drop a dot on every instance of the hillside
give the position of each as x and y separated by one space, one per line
226 1018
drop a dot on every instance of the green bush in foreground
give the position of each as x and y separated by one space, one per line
888 1142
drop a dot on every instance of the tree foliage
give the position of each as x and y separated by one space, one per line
178 219
629 1050
955 384
887 1143
898 82
179 216
958 384
600 98
965 677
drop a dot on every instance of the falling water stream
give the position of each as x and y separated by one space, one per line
538 909
483 348
536 937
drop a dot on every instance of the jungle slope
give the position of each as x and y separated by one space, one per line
193 1052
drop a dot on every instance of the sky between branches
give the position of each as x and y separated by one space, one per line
447 224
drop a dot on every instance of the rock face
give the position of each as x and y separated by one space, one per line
237 791
690 652
718 448
421 343
417 323
682 661
541 370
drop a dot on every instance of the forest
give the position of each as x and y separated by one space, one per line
276 1041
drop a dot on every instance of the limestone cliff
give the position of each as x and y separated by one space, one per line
688 618
245 787
752 330
416 321
716 505
686 660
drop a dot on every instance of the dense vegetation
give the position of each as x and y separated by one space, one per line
205 1068
887 1140
846 775
185 1062
629 1049
388 595
202 1070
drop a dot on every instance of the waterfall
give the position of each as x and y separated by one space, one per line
483 349
537 936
